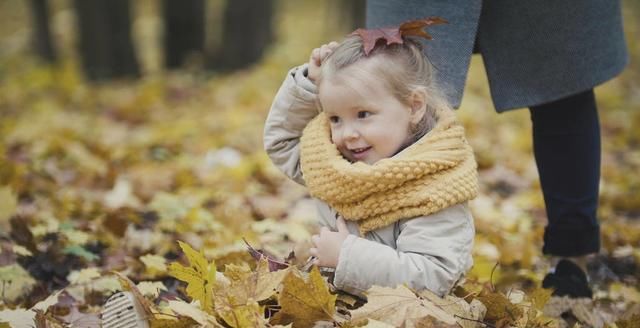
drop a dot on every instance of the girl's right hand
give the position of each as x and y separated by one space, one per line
318 56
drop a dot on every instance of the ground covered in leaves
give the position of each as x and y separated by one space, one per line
158 186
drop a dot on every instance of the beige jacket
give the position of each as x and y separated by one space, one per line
431 252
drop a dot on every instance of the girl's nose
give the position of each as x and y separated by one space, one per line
350 132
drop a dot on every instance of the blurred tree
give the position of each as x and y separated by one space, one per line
42 42
184 30
346 15
105 39
247 31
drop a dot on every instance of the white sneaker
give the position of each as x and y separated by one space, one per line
122 310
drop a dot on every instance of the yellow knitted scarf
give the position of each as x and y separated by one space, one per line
437 171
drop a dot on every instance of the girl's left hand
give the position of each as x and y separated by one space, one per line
327 244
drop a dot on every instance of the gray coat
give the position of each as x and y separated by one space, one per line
427 252
534 51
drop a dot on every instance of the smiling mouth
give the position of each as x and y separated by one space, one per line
359 153
359 150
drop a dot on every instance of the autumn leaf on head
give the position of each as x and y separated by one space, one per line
391 35
416 27
200 276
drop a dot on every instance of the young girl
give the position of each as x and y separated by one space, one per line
372 138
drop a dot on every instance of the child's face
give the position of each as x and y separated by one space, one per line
368 123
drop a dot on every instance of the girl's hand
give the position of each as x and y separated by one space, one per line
327 244
317 57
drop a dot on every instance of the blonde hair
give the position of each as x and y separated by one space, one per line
408 69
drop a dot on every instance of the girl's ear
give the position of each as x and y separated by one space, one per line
418 103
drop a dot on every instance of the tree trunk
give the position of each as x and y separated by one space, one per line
42 42
184 30
105 39
247 31
346 15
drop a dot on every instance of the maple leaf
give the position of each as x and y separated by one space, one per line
194 312
154 263
305 302
499 308
400 307
200 276
237 303
393 35
468 315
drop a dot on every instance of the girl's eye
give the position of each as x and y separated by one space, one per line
363 114
334 119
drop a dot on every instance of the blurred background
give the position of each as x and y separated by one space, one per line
126 125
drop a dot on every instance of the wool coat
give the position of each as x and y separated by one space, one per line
534 52
428 252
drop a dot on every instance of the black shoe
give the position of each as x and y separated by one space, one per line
568 279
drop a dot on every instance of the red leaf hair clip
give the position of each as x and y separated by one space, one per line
393 35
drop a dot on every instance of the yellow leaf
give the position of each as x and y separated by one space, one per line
16 282
268 282
151 288
8 203
236 302
83 276
539 297
154 263
76 237
399 306
200 276
305 302
192 311
250 314
22 251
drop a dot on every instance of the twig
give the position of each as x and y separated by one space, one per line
493 288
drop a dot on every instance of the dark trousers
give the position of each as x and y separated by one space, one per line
566 145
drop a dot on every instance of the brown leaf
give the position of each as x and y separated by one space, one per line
399 306
305 302
393 35
499 308
416 27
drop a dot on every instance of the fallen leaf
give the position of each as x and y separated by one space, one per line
154 263
16 282
399 306
200 276
83 276
151 288
18 317
305 302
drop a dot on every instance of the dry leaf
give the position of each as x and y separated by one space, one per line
399 306
391 35
305 302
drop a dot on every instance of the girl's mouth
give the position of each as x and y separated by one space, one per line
360 153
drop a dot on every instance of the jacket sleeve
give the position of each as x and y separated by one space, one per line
432 252
295 104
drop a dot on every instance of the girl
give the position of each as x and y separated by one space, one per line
372 138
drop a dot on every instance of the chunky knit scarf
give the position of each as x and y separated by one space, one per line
437 171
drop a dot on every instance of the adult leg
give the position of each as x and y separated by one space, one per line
566 144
